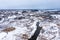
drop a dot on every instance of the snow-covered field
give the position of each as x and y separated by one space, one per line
21 24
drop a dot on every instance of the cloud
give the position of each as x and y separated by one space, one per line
35 4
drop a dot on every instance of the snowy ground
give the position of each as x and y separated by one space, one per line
19 25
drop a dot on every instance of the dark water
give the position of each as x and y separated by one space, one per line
34 37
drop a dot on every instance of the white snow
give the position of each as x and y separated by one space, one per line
2 35
28 27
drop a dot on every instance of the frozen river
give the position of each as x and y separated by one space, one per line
21 24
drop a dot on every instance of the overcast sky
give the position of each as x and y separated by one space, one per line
29 4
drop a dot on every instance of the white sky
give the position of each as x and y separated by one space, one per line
28 4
